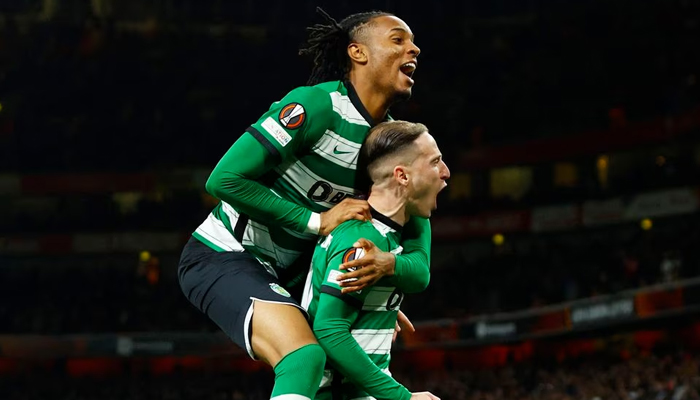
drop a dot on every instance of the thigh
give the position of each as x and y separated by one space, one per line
226 285
278 329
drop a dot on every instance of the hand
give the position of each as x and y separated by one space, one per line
423 396
370 268
402 319
344 211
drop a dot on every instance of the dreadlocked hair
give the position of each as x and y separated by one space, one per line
327 45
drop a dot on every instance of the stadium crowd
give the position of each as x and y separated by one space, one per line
117 293
654 376
537 270
112 94
672 377
152 93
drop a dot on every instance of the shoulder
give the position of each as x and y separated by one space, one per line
313 98
347 233
311 103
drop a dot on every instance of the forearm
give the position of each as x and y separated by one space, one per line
346 356
233 181
412 271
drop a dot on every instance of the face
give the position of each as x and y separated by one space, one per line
391 55
426 177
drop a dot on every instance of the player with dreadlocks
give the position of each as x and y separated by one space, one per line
290 178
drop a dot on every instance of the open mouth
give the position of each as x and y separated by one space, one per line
408 68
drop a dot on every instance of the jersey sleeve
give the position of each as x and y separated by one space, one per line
336 314
332 324
341 251
297 121
235 181
412 271
284 129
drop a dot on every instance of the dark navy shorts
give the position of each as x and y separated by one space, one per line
223 285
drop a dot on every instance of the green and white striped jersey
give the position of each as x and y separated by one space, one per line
315 133
378 305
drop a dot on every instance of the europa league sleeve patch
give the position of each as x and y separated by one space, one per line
351 254
292 116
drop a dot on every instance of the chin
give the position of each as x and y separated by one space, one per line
425 214
403 94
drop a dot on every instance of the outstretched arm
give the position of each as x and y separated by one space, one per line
412 273
410 270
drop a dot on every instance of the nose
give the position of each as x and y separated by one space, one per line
444 171
414 50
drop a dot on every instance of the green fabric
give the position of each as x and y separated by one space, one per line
355 329
412 273
234 180
300 372
280 171
332 325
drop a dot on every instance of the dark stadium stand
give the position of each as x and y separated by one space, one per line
566 255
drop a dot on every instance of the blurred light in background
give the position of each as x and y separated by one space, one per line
460 186
127 202
646 224
144 256
498 239
603 168
565 174
510 182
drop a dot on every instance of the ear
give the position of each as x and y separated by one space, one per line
358 53
401 175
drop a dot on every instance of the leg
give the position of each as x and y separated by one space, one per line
282 338
249 305
278 329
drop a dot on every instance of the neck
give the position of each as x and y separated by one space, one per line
376 103
391 202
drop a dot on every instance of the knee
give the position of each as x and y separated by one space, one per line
300 372
309 358
315 357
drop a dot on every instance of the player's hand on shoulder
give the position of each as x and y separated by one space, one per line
423 396
346 210
368 269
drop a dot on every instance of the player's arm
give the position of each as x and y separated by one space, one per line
332 323
265 145
409 271
334 317
233 180
412 269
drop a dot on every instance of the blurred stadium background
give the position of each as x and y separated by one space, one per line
566 249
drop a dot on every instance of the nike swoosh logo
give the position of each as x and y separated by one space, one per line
336 151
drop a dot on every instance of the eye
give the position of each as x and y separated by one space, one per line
397 40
